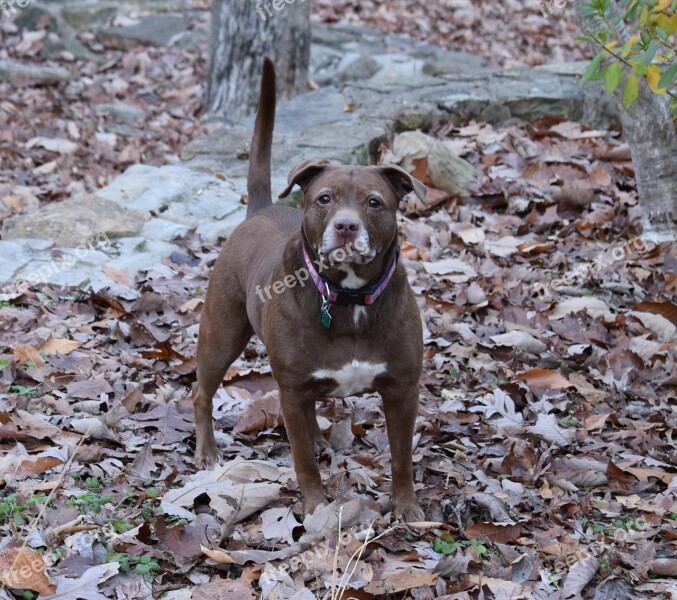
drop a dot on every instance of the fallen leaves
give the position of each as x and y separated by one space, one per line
24 569
544 447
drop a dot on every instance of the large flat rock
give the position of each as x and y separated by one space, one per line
74 222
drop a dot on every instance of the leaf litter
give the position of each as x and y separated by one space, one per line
545 445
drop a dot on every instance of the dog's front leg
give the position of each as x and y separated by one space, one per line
400 405
300 423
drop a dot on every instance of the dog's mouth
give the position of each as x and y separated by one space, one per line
347 254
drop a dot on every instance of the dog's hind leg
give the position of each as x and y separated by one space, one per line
224 333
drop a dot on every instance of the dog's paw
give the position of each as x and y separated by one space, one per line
311 502
409 511
207 458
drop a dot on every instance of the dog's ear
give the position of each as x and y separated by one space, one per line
303 172
403 182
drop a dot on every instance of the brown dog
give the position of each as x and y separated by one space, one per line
324 291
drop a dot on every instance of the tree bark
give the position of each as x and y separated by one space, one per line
242 33
650 132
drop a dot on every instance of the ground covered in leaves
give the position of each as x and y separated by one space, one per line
545 444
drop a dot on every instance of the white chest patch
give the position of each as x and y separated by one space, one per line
353 378
359 311
350 281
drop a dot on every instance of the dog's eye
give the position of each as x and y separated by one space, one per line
324 199
374 203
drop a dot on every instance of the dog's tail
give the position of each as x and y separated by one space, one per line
258 178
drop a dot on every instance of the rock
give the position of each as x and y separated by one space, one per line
14 71
324 62
519 95
136 254
29 16
412 120
82 15
163 230
122 112
455 63
68 267
155 30
14 257
54 48
358 67
447 171
74 222
398 72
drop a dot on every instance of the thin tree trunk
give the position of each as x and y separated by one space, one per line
650 132
242 33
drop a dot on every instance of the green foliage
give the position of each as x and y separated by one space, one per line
22 390
90 502
12 508
649 54
141 565
447 546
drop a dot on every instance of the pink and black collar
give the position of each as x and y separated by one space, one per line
345 297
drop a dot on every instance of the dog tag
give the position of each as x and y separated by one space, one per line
325 317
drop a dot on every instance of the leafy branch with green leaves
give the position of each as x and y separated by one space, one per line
636 42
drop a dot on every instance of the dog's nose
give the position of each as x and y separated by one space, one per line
346 226
346 229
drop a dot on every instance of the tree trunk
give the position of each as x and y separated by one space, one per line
242 33
650 132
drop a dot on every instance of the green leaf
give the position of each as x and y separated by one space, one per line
593 67
640 69
612 78
631 91
445 546
650 53
669 75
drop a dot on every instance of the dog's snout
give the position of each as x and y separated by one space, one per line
346 225
346 229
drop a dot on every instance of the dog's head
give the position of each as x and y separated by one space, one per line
350 212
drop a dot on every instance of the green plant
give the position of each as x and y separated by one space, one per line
569 422
4 363
22 390
447 546
12 508
11 511
90 502
141 565
121 526
93 483
648 53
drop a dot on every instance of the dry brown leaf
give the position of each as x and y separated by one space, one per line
24 353
544 379
407 579
24 569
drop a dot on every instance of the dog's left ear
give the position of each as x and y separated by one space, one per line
303 172
403 182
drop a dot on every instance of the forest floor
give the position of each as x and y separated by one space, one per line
545 444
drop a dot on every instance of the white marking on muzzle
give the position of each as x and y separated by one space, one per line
359 247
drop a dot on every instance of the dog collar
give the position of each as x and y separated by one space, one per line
333 294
